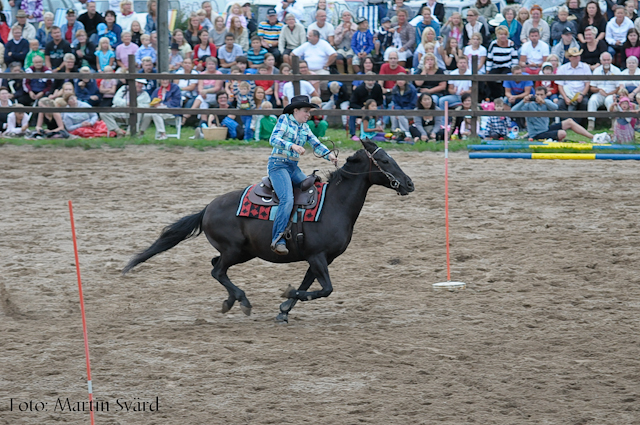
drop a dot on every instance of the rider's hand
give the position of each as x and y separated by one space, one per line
298 148
333 159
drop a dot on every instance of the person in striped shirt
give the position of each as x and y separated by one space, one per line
256 54
502 55
288 138
269 31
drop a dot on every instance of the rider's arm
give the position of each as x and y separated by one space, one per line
317 145
277 137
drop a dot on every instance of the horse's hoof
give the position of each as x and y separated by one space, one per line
282 318
246 310
288 291
225 306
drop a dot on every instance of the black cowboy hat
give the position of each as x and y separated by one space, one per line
298 102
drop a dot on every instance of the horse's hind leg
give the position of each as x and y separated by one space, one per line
219 273
319 268
286 306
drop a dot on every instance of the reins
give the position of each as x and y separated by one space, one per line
372 161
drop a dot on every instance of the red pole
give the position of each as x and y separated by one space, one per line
446 185
84 319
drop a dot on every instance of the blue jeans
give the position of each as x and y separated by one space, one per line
284 175
453 99
246 124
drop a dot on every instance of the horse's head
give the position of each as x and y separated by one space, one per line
385 171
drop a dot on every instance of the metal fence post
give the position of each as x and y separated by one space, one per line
133 95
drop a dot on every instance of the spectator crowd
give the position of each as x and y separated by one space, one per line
578 41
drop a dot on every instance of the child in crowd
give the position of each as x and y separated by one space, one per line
34 50
266 123
465 127
105 54
256 53
551 86
278 87
623 128
497 127
175 58
316 123
107 87
267 85
465 98
369 127
17 122
383 38
136 33
146 50
244 102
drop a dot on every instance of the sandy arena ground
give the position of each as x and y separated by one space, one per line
545 333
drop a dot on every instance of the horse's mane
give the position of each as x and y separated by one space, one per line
337 175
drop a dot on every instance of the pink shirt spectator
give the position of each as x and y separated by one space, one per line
123 52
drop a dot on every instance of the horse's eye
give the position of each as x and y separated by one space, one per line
385 161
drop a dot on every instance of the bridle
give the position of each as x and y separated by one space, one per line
395 184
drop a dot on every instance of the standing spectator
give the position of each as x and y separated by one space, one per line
318 54
236 12
104 55
593 47
124 50
152 17
361 44
34 11
228 53
343 34
457 87
252 23
243 97
85 51
486 9
592 17
534 53
437 9
184 47
219 32
292 36
512 24
603 91
17 48
369 89
474 25
559 25
169 97
269 31
240 33
111 30
121 100
90 19
501 56
34 50
624 128
107 88
324 27
193 30
43 34
573 93
405 39
71 27
284 7
566 42
55 50
404 96
616 33
87 89
515 91
146 50
536 21
28 30
203 50
126 15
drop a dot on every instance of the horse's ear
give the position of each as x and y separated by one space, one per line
369 145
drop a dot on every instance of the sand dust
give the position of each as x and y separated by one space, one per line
545 333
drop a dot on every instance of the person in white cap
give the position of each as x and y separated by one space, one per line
120 100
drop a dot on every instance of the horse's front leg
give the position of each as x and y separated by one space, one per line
319 267
286 306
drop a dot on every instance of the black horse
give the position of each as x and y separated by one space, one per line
239 239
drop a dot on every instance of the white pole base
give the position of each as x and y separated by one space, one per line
449 286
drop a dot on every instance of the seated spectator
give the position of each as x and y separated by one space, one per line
426 128
567 41
592 17
390 68
405 42
146 50
404 96
534 53
43 34
324 27
125 49
630 10
5 102
85 51
266 85
318 54
575 11
49 125
266 123
523 15
431 45
536 21
513 26
398 5
82 124
573 93
453 28
188 88
292 36
236 12
70 29
593 47
68 65
285 69
37 88
228 53
631 86
343 34
560 25
147 68
252 24
230 121
192 33
256 53
450 53
34 50
538 127
384 38
167 95
217 34
603 92
475 48
121 100
497 127
457 87
361 44
473 26
339 98
17 48
107 88
631 46
16 86
127 15
486 9
240 34
203 50
207 89
175 58
368 90
87 89
317 124
111 29
17 122
90 19
28 30
616 33
243 64
269 32
501 56
67 90
437 9
425 21
184 47
551 86
435 89
515 91
367 66
104 55
306 88
285 7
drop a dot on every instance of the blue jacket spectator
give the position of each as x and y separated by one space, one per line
145 51
43 37
16 51
76 26
362 41
172 99
86 89
404 100
147 68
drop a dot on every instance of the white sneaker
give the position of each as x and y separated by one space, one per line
162 137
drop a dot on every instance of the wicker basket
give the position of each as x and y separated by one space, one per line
215 133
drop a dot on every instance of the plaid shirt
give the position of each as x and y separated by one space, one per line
498 125
288 132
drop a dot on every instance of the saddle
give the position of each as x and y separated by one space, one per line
305 196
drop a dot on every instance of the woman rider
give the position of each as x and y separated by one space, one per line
288 138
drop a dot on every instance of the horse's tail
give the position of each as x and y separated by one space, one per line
185 228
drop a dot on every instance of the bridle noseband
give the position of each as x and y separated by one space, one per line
395 184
